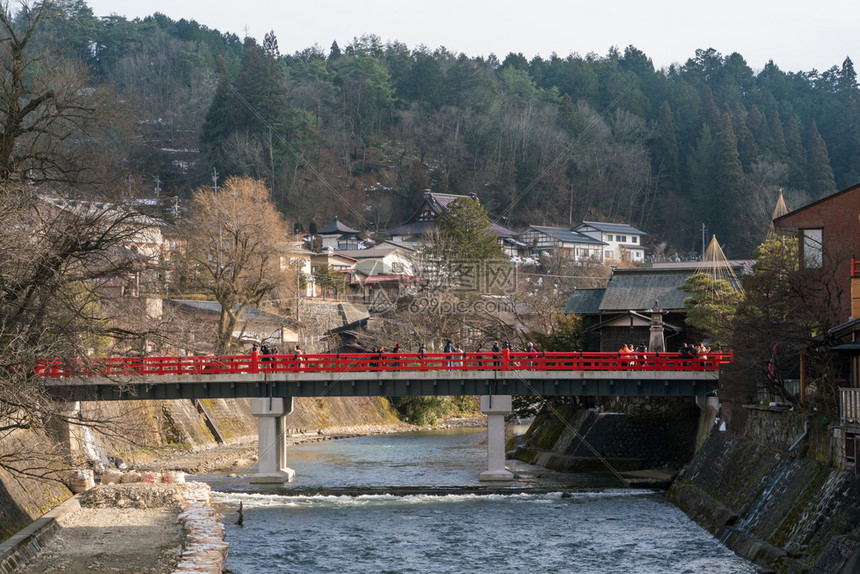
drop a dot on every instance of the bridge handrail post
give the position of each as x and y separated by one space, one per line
506 359
255 361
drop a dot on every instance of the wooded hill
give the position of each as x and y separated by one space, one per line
360 130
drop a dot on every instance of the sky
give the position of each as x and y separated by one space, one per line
798 35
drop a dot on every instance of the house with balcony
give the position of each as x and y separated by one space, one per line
562 242
622 242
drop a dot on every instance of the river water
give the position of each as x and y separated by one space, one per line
543 522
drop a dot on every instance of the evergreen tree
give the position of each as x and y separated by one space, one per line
780 149
334 52
219 118
664 150
746 145
730 178
709 114
821 181
270 45
757 124
796 156
466 226
702 176
260 90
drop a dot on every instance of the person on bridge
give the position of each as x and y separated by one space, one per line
449 348
396 351
533 354
624 354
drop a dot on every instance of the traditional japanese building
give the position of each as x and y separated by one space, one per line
415 230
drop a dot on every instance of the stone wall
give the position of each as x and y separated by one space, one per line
770 492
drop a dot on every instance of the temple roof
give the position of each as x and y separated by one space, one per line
336 227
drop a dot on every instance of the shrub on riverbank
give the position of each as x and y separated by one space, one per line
427 411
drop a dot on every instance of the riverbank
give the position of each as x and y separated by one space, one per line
139 527
767 484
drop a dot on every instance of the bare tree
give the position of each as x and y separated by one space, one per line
234 239
56 257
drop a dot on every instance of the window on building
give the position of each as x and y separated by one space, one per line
609 238
634 239
812 254
621 238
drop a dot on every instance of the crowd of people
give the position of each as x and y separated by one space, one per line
699 350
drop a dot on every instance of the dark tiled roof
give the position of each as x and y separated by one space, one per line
336 227
584 302
609 227
567 235
637 289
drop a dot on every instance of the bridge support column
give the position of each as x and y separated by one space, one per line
271 442
496 407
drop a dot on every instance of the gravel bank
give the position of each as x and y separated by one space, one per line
119 528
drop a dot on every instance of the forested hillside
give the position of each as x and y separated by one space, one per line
358 130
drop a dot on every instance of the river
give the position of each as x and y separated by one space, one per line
543 522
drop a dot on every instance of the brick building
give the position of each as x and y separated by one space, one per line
828 232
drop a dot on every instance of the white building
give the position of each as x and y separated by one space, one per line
562 242
623 242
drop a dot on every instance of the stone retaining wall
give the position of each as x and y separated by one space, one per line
20 548
786 510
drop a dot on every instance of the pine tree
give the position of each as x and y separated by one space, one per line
709 113
701 170
465 223
757 124
796 156
821 180
746 145
218 122
664 151
780 150
730 178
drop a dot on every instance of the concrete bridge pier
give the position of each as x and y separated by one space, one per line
496 407
271 444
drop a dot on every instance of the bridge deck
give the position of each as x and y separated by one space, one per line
507 373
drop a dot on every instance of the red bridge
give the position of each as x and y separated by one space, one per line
386 374
272 381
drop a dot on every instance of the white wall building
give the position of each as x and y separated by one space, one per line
623 242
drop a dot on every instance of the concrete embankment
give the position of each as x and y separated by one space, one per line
628 436
766 485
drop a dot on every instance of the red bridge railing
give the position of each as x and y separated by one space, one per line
362 362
